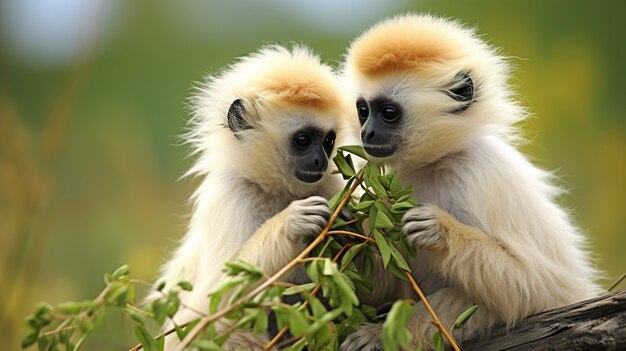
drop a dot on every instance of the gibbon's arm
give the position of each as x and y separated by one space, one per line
276 242
485 269
519 264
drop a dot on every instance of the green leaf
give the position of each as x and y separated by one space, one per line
43 343
161 285
185 285
349 255
438 341
394 182
373 217
312 270
343 166
383 247
400 261
160 343
239 266
463 317
159 309
401 207
173 305
117 293
298 325
299 345
363 205
320 322
369 312
73 307
348 297
121 272
260 322
145 338
355 149
43 310
383 221
207 345
299 289
30 338
182 332
338 223
316 306
393 268
395 332
225 286
371 179
334 201
330 268
384 181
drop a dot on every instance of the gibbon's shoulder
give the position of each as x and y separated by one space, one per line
412 42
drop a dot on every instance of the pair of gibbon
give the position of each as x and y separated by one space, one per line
433 103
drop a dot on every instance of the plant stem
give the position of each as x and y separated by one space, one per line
317 288
344 232
432 313
617 282
204 322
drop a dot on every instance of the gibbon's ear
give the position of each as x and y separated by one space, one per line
463 91
237 119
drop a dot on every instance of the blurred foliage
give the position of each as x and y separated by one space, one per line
90 154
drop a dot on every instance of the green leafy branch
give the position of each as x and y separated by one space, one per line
338 263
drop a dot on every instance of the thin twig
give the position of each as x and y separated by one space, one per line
344 232
317 288
432 313
617 282
204 322
312 259
146 284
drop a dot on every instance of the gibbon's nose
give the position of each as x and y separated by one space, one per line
320 164
368 135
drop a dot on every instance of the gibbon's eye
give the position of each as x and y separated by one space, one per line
329 142
302 140
363 110
389 113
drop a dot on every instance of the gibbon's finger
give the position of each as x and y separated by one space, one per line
418 213
322 211
416 226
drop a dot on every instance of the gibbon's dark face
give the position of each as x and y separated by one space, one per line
381 119
311 147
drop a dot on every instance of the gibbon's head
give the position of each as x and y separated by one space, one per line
273 117
425 87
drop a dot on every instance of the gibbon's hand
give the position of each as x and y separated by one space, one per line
422 227
307 217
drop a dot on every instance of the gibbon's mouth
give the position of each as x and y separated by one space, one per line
379 150
309 176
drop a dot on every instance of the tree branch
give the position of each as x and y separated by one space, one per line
598 324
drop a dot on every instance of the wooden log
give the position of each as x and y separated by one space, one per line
595 324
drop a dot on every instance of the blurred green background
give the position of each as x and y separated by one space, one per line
93 100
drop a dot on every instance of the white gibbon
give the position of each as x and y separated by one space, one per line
435 106
264 131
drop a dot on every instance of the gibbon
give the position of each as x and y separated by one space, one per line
434 105
264 130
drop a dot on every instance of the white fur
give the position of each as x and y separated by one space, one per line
249 204
490 232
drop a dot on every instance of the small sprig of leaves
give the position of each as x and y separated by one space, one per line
338 264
